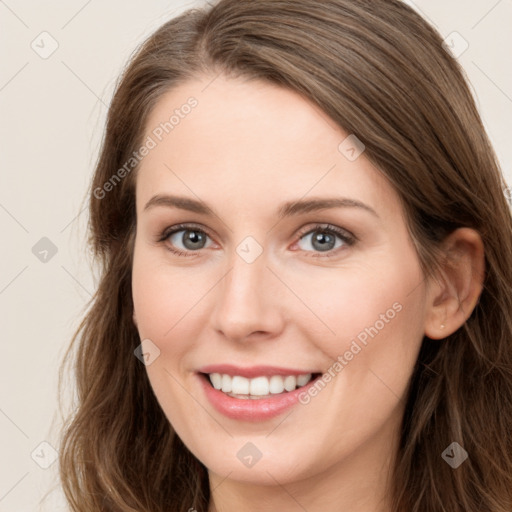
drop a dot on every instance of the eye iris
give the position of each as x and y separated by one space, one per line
325 240
195 237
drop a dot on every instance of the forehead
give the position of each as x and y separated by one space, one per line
253 143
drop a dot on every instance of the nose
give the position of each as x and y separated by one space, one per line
249 301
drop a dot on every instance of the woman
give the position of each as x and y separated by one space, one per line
306 277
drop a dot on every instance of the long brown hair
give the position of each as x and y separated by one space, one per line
380 72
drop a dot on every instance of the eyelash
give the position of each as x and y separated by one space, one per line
347 238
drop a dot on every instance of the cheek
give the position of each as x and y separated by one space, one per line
374 300
163 295
380 324
376 313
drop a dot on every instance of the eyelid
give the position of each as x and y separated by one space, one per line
319 226
182 227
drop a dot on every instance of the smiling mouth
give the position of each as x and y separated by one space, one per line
256 388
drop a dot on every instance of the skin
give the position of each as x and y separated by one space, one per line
248 147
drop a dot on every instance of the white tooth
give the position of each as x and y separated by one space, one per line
290 383
276 384
259 386
227 384
239 385
302 380
216 380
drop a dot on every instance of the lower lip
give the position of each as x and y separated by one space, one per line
258 409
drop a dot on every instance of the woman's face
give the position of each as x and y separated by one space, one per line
269 288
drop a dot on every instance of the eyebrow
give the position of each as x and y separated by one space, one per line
287 209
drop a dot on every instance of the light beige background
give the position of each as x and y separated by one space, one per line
52 117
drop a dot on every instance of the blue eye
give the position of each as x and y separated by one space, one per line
193 237
327 240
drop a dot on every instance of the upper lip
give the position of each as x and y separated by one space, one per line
252 371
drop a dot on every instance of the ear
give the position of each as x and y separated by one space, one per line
453 295
134 318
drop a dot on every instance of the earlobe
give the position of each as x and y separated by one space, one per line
134 318
453 296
